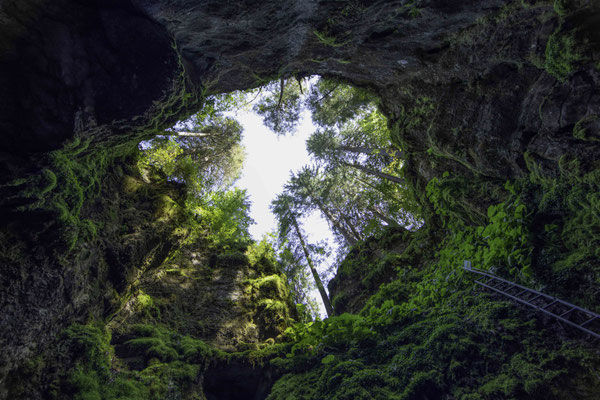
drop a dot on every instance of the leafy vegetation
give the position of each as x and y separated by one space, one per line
569 208
168 358
356 181
470 348
206 159
405 321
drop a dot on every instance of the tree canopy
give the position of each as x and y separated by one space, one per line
355 180
205 155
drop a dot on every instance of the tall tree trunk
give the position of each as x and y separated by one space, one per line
383 217
351 239
317 278
373 209
379 174
350 225
352 228
369 184
390 152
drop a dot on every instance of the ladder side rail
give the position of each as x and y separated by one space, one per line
565 303
524 288
507 295
566 321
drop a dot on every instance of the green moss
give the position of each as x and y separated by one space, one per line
232 259
470 348
562 53
580 129
183 99
328 40
562 7
72 176
414 117
173 363
261 257
271 286
87 383
166 345
153 347
50 182
145 305
93 342
166 208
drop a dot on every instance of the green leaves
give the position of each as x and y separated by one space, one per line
282 107
502 244
224 217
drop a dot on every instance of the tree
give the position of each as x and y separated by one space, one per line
204 154
204 151
282 106
298 276
332 102
311 189
362 143
290 230
355 205
325 142
223 217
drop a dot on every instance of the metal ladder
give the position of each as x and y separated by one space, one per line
570 314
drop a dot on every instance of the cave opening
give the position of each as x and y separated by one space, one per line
312 154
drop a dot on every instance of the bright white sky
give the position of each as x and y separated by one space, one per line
270 159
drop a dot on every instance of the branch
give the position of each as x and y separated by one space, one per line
190 134
328 93
299 84
255 97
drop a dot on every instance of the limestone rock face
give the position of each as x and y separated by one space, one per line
46 288
110 60
465 85
70 64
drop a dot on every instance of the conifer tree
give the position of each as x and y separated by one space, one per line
289 229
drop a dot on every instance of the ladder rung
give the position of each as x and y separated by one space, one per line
514 287
521 292
588 321
533 298
548 305
488 281
566 312
505 287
